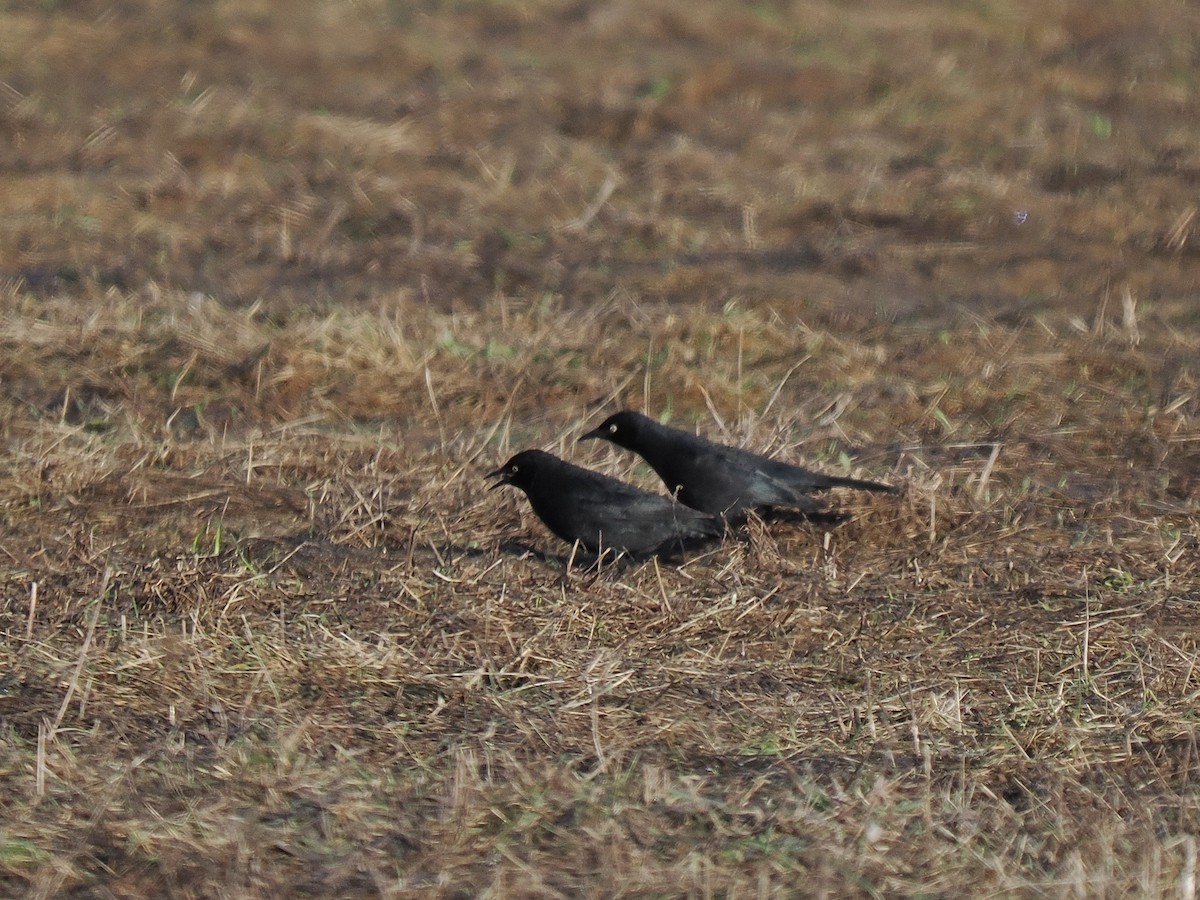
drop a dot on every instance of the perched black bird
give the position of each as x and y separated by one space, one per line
716 478
602 513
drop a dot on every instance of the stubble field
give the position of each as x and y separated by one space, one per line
279 283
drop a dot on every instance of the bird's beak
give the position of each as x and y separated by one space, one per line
498 473
592 435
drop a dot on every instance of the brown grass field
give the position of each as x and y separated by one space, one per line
280 281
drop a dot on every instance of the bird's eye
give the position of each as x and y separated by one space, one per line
612 429
514 469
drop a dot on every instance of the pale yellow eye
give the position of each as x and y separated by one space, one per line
612 429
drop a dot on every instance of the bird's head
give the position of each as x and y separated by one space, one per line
520 470
620 428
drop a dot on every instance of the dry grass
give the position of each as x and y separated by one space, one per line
274 304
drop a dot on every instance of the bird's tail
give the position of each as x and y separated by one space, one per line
859 485
710 527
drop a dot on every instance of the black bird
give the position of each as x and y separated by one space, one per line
602 513
716 478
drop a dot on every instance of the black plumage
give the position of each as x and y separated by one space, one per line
716 478
600 512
